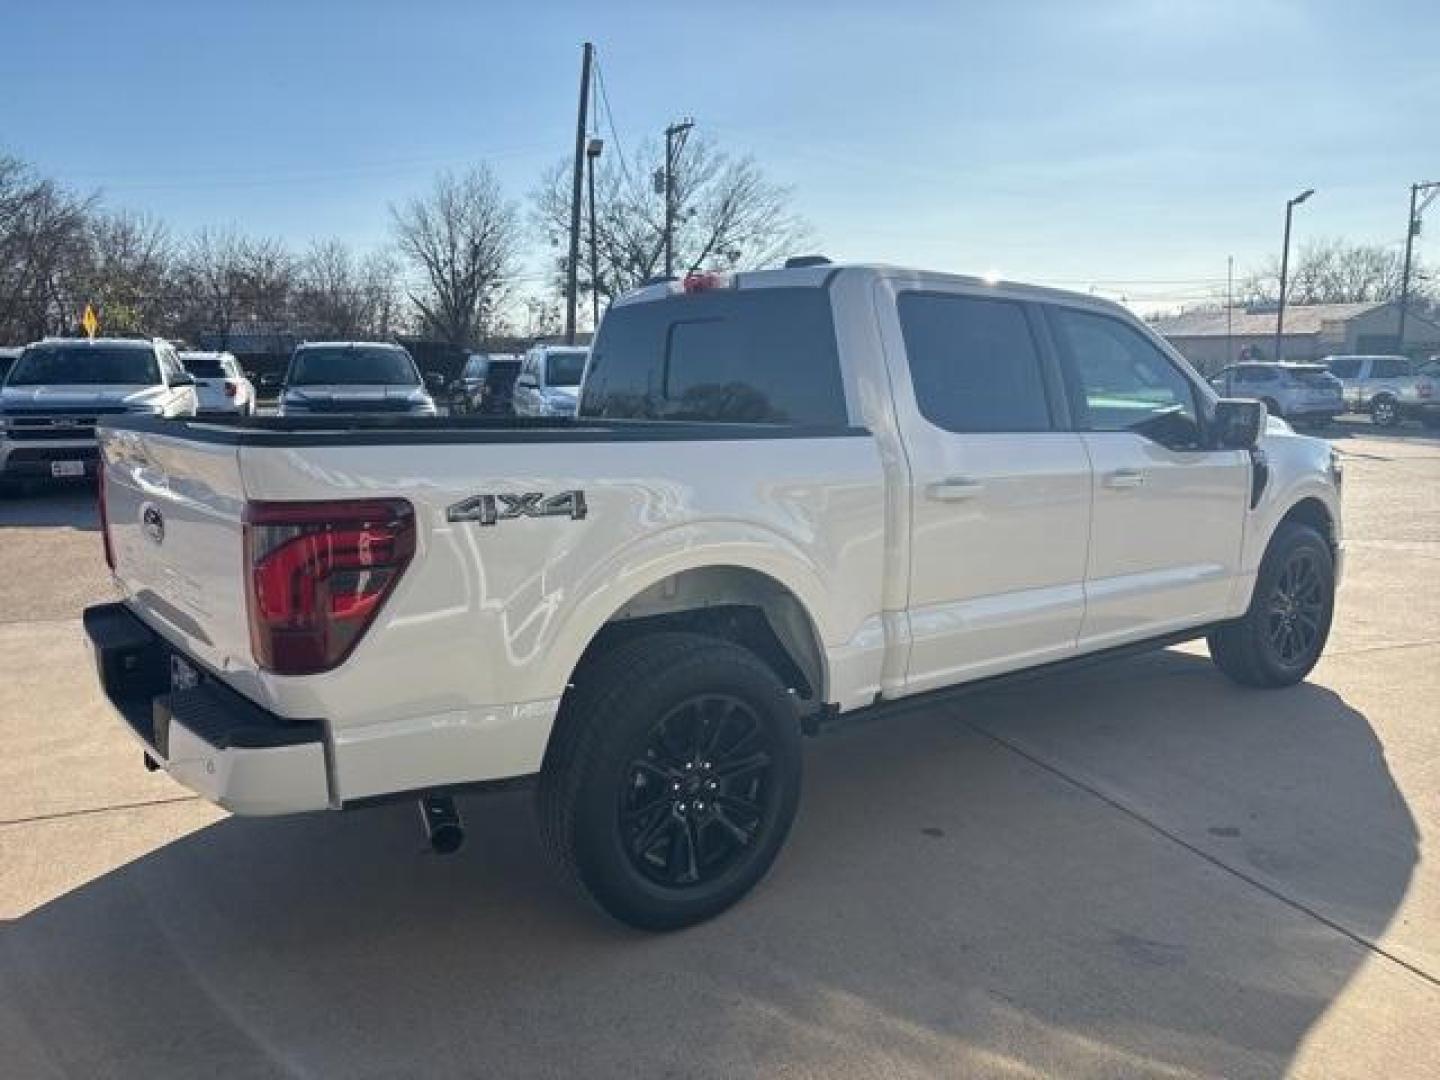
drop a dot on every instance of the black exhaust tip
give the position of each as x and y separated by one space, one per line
443 827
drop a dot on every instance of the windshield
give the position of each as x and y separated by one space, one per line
353 365
85 365
565 368
204 367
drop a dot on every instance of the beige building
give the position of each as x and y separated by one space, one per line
1212 339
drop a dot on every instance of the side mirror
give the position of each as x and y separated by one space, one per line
1237 424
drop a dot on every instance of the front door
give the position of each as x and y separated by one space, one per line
1000 493
1168 515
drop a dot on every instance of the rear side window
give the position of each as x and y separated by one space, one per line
1390 367
974 363
730 355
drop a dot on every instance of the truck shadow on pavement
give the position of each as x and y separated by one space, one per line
50 505
1131 869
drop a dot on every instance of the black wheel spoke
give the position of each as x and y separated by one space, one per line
653 831
741 834
734 768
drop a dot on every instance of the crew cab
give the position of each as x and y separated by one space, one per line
58 388
789 495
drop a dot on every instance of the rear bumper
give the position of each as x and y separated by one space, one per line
211 739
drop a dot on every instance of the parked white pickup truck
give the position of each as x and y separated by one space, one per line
789 494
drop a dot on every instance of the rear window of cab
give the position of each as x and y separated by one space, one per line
765 356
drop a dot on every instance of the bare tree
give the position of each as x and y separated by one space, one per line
462 238
728 216
129 257
42 248
1335 272
342 295
227 280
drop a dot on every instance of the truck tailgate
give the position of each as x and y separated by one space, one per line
173 507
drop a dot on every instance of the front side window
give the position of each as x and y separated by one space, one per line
973 363
1119 381
352 365
86 365
1346 368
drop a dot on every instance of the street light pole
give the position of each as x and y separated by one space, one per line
672 133
1285 267
1412 226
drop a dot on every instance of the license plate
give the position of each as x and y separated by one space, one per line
182 675
67 468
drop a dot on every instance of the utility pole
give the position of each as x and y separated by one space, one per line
674 143
573 267
592 155
1285 268
1412 229
1229 309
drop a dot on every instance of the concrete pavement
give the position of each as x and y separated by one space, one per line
1133 870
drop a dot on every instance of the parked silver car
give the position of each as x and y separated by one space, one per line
1298 392
549 380
1389 388
353 377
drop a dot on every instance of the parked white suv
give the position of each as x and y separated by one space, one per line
788 495
549 381
59 387
220 385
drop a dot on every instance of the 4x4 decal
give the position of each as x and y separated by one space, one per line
490 509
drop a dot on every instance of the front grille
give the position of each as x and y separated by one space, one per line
386 405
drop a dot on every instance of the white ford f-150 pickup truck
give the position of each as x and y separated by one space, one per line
787 495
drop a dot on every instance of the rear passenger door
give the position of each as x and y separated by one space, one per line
999 491
1168 513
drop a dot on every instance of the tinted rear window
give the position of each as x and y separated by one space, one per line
565 368
731 355
204 367
85 365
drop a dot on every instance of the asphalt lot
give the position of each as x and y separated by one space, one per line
1135 870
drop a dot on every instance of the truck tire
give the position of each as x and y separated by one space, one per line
1280 638
671 779
1383 411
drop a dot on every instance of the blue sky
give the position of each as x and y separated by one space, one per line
1130 145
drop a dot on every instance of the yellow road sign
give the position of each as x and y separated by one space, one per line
89 321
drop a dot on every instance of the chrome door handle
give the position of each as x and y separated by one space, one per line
1125 478
954 489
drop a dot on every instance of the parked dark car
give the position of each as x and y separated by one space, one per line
486 385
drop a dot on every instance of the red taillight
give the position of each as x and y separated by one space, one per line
317 574
1425 388
704 282
104 514
230 388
